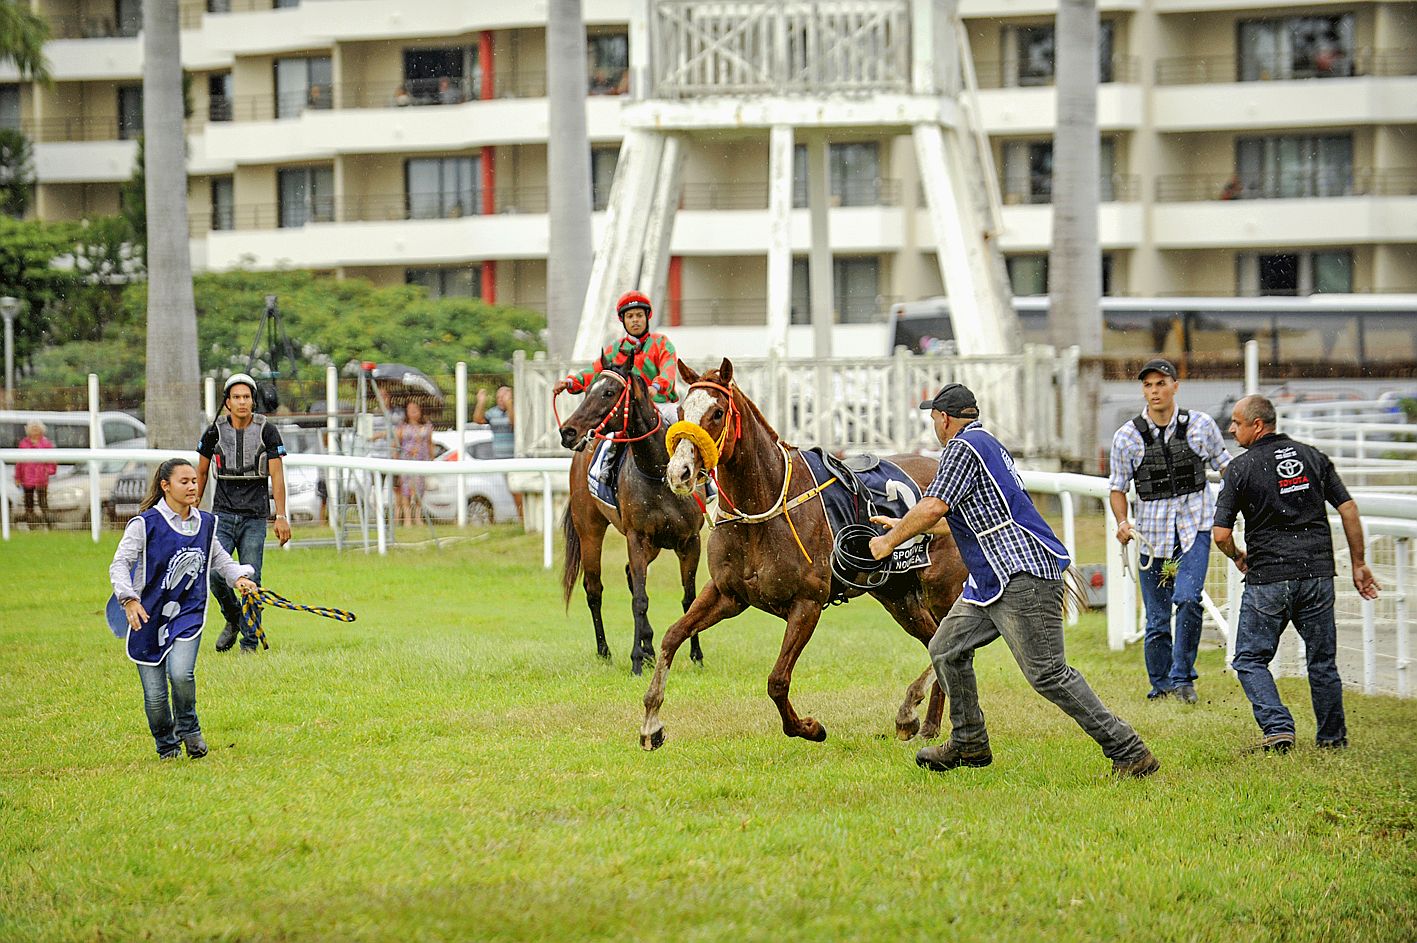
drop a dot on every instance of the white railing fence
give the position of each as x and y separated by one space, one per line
1372 443
1028 399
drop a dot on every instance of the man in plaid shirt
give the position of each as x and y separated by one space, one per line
1165 451
1014 590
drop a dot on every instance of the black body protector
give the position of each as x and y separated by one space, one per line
1168 469
241 453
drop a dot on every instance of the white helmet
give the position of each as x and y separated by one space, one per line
233 380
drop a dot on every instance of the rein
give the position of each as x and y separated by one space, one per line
622 405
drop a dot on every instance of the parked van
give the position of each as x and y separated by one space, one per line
69 491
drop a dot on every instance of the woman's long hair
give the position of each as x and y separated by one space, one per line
163 473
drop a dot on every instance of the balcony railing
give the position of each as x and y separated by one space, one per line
996 73
391 207
264 107
730 312
113 27
55 130
1112 188
1184 188
1200 70
753 195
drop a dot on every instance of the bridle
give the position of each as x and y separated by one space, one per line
622 405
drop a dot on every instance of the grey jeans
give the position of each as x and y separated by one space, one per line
1029 615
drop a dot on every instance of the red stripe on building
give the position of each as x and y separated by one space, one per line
676 290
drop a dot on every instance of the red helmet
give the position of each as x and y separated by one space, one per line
631 300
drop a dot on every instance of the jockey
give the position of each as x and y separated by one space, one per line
654 360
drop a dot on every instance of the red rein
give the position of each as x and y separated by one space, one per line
622 405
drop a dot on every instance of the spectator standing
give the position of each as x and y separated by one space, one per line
34 477
159 575
502 418
413 441
243 451
1280 487
1015 589
1165 450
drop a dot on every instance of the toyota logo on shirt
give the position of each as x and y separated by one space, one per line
1290 468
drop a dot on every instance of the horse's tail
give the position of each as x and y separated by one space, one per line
1074 591
572 568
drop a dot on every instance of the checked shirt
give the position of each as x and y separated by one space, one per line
1163 520
964 484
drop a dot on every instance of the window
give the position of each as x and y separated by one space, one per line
223 203
1028 274
855 291
130 112
1294 166
129 14
218 6
10 107
1297 47
1028 171
1294 273
284 4
306 195
219 96
603 161
1030 54
116 431
460 282
302 83
608 63
854 171
443 76
443 187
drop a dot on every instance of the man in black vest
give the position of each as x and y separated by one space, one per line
246 451
1280 486
1165 451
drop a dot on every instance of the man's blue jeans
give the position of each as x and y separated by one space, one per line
170 723
245 539
1170 663
1265 610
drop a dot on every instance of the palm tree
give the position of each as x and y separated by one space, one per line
22 38
569 255
172 379
1075 262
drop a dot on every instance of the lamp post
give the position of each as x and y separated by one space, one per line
9 307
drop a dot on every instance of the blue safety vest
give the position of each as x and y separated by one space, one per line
171 580
988 577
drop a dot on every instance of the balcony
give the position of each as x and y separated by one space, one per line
1206 70
1196 211
996 73
80 128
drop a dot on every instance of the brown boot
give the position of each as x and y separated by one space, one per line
1138 767
948 756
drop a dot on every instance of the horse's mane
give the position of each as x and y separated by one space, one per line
714 376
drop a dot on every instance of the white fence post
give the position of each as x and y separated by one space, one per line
1403 550
380 525
1070 541
209 398
4 503
461 425
547 517
333 495
1121 603
95 516
1252 368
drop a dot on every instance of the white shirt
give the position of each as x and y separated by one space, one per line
135 543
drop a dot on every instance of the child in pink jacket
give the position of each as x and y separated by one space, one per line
34 477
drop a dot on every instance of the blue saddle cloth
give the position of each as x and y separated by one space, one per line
882 488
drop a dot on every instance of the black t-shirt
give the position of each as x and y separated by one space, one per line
1280 486
249 498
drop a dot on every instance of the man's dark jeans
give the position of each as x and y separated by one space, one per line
1171 660
245 539
1029 615
1265 610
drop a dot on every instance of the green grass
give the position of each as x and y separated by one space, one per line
457 765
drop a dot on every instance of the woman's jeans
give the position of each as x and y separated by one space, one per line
245 539
172 723
1171 662
1265 610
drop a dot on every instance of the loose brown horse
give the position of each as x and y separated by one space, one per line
760 559
618 405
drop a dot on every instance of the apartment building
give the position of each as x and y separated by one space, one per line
1248 148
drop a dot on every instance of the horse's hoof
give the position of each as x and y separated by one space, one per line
930 733
814 731
603 656
637 669
652 741
907 731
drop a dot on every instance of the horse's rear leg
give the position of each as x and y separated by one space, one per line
592 534
801 623
688 576
910 611
710 608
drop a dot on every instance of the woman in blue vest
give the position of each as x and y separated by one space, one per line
1015 589
159 575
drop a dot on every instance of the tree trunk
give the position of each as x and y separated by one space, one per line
173 397
568 260
1075 262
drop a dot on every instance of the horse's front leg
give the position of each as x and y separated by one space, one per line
710 608
801 623
642 554
688 576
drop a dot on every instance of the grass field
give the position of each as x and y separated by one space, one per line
457 765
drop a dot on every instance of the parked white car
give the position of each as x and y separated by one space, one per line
489 500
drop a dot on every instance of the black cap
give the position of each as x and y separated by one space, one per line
954 399
1161 366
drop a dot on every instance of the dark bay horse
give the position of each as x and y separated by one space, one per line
652 518
761 559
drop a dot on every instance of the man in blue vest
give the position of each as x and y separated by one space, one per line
1015 589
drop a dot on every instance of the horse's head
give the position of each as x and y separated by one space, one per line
710 424
603 407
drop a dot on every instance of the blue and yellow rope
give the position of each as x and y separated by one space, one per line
252 603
